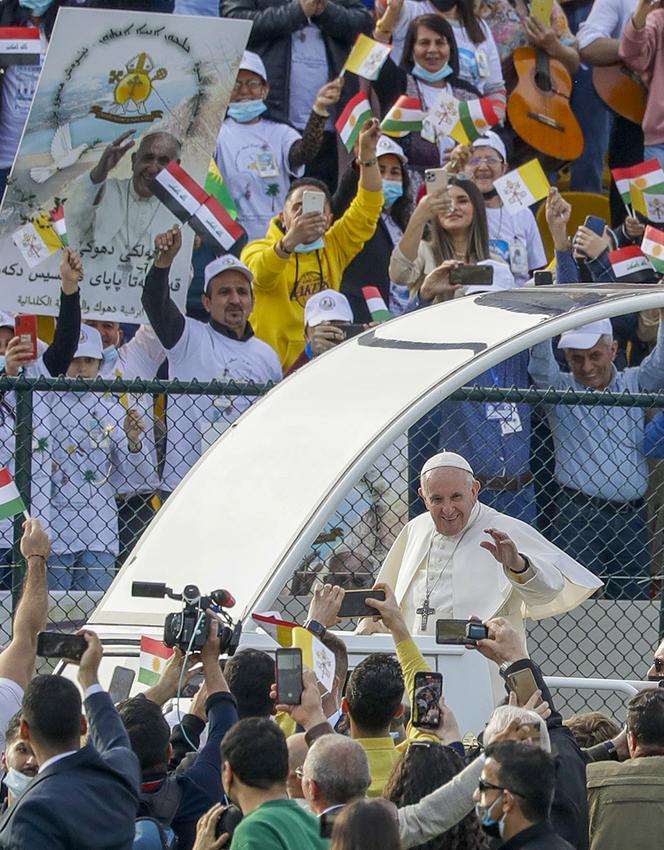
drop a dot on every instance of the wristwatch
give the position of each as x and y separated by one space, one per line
316 628
611 750
367 163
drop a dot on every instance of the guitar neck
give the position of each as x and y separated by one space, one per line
542 70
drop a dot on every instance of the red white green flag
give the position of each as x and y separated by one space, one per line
59 224
652 246
153 658
404 117
475 118
644 175
351 120
375 303
11 502
628 260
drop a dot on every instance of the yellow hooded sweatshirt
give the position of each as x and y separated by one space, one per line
283 286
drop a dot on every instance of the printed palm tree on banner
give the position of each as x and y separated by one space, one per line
272 191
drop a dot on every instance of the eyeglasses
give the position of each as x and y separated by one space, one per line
490 160
658 664
252 85
483 786
299 772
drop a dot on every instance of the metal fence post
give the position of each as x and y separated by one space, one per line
23 479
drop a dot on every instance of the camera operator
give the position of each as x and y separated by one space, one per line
179 799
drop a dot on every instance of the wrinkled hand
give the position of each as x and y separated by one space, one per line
324 337
35 540
390 612
310 710
459 159
503 550
325 605
504 644
71 270
448 729
436 285
167 246
539 35
369 135
206 828
535 703
88 666
633 227
588 244
329 95
111 156
18 354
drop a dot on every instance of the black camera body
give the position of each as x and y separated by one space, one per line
189 628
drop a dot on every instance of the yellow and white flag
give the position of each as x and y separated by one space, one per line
367 57
316 656
522 187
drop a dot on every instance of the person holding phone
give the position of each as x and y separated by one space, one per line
306 252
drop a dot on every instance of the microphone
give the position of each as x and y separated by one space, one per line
223 598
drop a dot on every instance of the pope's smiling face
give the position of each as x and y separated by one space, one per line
450 495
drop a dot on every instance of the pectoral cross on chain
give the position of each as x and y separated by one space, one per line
424 611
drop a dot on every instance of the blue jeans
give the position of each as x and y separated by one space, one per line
609 539
519 504
654 152
86 570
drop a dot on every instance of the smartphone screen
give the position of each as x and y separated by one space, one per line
58 645
427 693
472 275
354 604
313 202
451 632
523 684
121 682
289 676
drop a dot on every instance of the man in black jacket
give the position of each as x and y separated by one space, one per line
82 796
304 44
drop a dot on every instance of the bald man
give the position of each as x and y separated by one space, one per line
463 558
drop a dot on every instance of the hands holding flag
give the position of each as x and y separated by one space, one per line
167 246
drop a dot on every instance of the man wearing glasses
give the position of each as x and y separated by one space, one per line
656 670
514 796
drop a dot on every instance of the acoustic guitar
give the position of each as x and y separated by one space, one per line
622 90
538 108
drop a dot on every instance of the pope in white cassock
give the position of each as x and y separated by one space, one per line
443 563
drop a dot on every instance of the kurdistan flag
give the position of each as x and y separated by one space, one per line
367 57
215 186
522 187
351 120
645 175
404 117
11 502
154 655
475 117
653 247
58 221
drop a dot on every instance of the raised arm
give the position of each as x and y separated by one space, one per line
60 352
164 315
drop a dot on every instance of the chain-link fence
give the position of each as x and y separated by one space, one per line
95 460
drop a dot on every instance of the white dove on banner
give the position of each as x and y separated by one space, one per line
62 153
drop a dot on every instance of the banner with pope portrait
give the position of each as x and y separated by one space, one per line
120 95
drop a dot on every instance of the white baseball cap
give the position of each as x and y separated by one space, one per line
253 62
6 320
586 336
446 459
89 343
224 264
386 145
327 306
502 278
491 140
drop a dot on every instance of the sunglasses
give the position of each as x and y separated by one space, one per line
483 786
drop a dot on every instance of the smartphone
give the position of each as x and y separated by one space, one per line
121 682
354 604
313 202
436 181
59 645
25 328
353 330
595 223
426 695
472 275
523 684
289 676
542 277
327 820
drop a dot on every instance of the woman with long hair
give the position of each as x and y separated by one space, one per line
429 67
366 825
424 767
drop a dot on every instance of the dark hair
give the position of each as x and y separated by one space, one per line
592 728
424 767
338 647
529 773
440 26
471 21
374 691
478 236
402 208
52 709
250 675
366 825
13 729
256 750
312 183
148 731
645 717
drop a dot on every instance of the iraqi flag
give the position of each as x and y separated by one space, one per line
154 655
57 216
20 46
351 120
376 304
653 247
629 261
215 226
404 117
11 502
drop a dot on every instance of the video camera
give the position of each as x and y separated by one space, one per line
189 628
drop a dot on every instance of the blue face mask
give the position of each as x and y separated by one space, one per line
37 7
392 191
318 245
493 828
246 110
2 362
431 76
110 354
16 781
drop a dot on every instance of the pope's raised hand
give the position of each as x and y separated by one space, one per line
504 550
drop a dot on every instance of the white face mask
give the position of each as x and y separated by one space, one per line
16 781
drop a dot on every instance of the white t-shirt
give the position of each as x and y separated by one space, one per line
11 697
254 161
309 73
18 89
195 422
515 239
429 96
